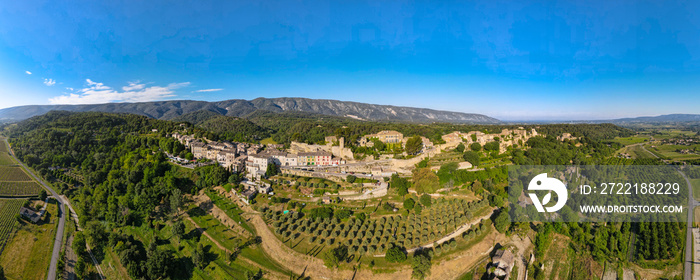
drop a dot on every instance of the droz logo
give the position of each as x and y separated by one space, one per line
543 183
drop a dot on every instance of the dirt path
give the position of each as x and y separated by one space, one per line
204 202
71 259
268 274
524 245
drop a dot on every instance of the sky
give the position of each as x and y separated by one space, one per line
513 60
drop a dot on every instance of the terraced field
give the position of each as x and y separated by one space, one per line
8 209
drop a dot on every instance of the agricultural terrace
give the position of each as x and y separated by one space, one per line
316 229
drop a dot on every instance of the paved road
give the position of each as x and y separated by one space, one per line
61 221
689 253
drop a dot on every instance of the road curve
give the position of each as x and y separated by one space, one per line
61 217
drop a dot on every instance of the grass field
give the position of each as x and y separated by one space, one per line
28 254
696 188
630 140
697 216
8 173
267 141
671 133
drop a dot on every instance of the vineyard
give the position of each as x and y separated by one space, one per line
13 173
6 159
8 210
21 189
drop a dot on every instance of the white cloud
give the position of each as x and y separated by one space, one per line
209 90
49 82
70 88
133 86
96 93
28 73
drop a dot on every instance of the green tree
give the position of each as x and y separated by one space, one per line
414 145
400 184
492 146
409 203
80 268
395 254
175 201
426 200
158 262
472 157
95 234
460 148
502 221
425 181
421 265
79 243
476 147
2 273
271 170
351 179
42 195
335 256
198 256
178 229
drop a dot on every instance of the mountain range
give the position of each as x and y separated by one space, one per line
168 110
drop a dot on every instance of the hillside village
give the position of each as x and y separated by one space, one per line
333 160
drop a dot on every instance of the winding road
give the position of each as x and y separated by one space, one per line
61 217
61 200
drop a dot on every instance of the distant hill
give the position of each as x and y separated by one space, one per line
169 110
661 118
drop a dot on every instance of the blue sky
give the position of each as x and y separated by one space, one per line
514 60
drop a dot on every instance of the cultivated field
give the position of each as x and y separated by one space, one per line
6 159
8 209
19 189
28 253
13 173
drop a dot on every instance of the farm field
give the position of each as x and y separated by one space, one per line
670 151
630 140
372 236
28 253
13 173
636 152
20 189
8 209
6 159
